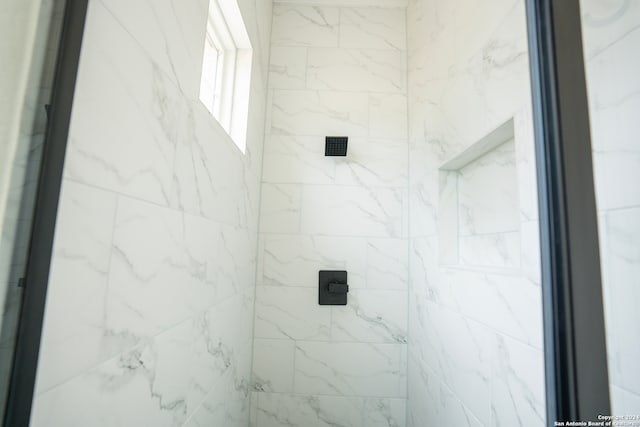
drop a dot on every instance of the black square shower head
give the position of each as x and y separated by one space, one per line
335 146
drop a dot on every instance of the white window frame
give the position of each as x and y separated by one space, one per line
226 92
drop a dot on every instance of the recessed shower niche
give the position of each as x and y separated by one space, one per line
479 212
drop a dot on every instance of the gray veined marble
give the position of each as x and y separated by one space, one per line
337 369
334 71
371 316
150 308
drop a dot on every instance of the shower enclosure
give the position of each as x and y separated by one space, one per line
486 216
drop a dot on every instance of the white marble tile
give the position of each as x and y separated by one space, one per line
360 369
467 74
256 120
373 28
227 331
387 115
173 34
288 67
624 402
169 375
526 164
280 410
460 351
280 208
371 316
503 61
297 159
613 171
300 159
454 411
621 269
290 313
613 90
423 394
251 201
121 391
418 340
353 211
75 336
423 215
268 113
423 267
384 412
530 251
356 70
446 112
184 369
429 45
305 26
320 113
227 404
180 285
295 260
373 163
501 250
145 279
605 22
476 24
209 178
253 414
448 220
387 264
510 303
517 388
487 194
357 3
126 118
231 262
264 22
273 365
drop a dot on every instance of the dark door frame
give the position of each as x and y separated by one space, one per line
25 360
577 383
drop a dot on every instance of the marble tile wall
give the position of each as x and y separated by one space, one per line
149 317
475 316
467 75
334 71
611 33
488 231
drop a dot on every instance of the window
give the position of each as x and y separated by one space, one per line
226 69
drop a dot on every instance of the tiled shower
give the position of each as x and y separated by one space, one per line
184 281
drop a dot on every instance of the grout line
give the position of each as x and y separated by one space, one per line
156 204
345 396
142 341
331 236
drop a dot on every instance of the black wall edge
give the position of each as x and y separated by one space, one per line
577 384
25 362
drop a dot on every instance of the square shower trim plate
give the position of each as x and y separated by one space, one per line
332 287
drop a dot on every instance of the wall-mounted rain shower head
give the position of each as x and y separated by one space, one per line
335 146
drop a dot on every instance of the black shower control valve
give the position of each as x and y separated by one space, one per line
332 287
338 288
